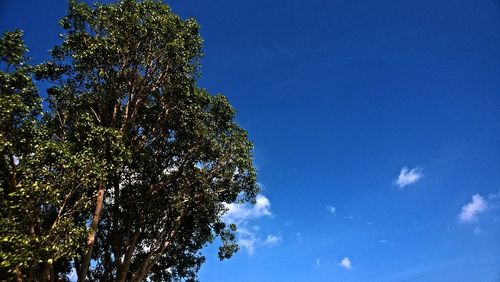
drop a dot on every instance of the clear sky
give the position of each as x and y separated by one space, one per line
376 127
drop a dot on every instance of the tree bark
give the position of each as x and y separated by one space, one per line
91 237
48 272
128 257
150 261
51 271
19 276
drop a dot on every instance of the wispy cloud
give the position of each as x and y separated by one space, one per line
238 213
494 196
345 263
409 176
427 271
331 209
247 233
471 210
249 240
477 230
273 240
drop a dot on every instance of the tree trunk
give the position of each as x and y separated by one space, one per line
51 272
150 262
128 257
91 237
19 276
48 272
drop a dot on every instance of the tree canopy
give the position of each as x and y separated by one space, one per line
126 174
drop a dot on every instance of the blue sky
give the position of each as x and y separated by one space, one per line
376 127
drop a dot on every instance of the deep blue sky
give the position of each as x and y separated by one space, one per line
338 97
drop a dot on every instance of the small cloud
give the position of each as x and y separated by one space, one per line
471 210
247 241
383 241
408 176
345 263
247 233
318 262
331 209
237 213
477 231
272 240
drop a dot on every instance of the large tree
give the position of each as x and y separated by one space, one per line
140 157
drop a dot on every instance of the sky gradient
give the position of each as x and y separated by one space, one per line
376 127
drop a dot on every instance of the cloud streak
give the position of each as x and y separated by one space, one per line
409 176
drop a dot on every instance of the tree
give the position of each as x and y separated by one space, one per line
134 153
44 179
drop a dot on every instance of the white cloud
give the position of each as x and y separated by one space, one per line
383 241
331 209
273 240
247 234
318 262
471 210
345 263
408 176
249 241
238 213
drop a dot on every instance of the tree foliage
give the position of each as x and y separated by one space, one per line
126 175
